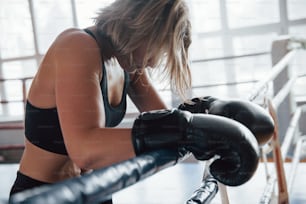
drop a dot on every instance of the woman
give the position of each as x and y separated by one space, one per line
77 96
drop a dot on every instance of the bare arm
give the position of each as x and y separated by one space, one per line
80 106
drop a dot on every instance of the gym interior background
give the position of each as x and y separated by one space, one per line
230 52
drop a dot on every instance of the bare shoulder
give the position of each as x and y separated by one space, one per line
75 37
76 49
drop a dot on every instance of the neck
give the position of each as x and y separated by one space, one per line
105 44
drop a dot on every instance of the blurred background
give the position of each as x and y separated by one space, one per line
230 53
230 49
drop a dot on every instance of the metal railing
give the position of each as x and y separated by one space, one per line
281 59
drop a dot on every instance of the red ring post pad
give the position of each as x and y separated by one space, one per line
99 185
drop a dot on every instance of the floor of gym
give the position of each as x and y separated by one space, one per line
176 184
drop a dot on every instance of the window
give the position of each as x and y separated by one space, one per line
16 36
296 9
51 17
222 29
205 21
86 10
252 12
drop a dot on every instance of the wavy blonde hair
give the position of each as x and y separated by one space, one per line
163 25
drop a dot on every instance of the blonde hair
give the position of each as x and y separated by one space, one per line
163 25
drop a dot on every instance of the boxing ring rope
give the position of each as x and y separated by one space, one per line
281 65
272 103
99 185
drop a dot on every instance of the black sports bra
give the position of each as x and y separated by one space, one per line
42 126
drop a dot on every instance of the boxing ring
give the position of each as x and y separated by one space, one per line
101 184
278 182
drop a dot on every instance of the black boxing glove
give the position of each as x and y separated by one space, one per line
253 116
203 135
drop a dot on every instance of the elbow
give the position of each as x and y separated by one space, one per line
81 151
83 160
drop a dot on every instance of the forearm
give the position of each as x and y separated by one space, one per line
148 101
144 95
101 147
